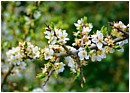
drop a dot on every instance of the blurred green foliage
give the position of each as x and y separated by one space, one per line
24 21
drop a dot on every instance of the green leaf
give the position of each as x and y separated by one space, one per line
78 73
87 48
55 75
85 19
117 47
80 28
104 30
41 75
52 25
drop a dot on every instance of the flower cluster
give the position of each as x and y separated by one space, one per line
19 54
56 36
96 46
91 46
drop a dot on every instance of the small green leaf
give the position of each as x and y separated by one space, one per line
87 48
80 28
52 25
55 75
41 75
78 73
85 19
104 30
117 47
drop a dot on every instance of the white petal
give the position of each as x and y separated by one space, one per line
86 57
99 45
81 58
99 58
121 50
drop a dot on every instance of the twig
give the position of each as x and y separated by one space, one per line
47 78
111 24
5 78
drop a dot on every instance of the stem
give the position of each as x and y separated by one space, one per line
126 33
48 76
5 78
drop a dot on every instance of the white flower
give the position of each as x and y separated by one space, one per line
37 90
101 54
70 61
98 38
78 24
60 67
14 55
121 43
49 34
97 55
108 49
51 37
37 14
52 40
62 36
36 52
92 55
119 25
121 50
48 53
82 54
86 30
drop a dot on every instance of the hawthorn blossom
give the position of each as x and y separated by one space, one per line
100 54
48 53
59 67
121 43
121 50
51 37
49 34
37 90
86 40
92 55
14 55
62 36
86 30
116 33
82 54
120 24
71 63
36 52
98 39
79 23
108 49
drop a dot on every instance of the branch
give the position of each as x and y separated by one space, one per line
47 78
5 78
111 24
64 54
